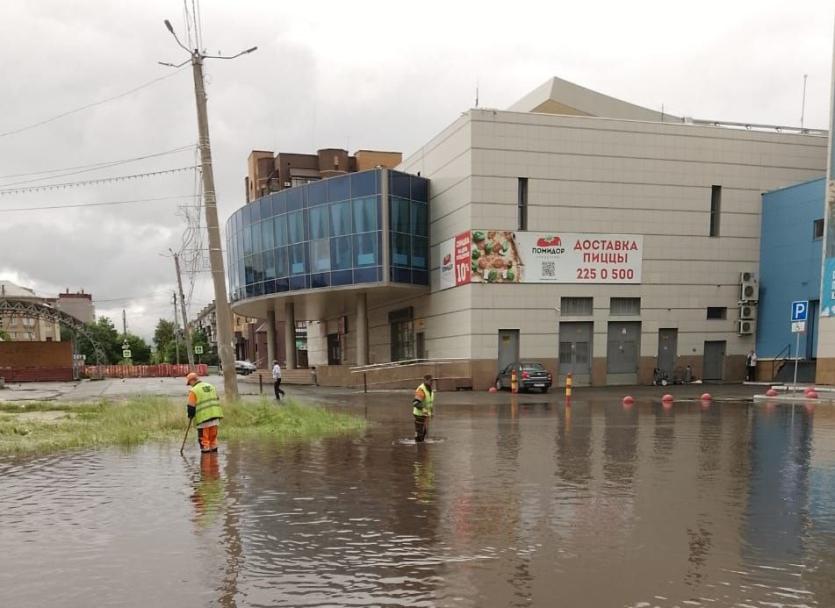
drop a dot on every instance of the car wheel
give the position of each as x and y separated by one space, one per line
545 390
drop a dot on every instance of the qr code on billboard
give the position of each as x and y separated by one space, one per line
549 270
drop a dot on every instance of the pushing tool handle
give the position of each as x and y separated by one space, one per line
182 447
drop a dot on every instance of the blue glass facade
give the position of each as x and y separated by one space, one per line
790 266
330 233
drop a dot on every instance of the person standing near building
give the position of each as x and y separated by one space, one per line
277 380
751 366
422 406
205 411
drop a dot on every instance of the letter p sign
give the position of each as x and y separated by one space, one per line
800 310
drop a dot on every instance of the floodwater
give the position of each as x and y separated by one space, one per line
521 504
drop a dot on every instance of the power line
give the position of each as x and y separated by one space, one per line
90 182
101 204
90 105
87 168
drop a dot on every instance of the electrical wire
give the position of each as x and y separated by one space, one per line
100 204
91 105
87 168
90 182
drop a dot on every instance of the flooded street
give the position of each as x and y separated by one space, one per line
518 504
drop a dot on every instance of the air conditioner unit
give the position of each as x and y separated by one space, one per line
745 327
749 290
748 312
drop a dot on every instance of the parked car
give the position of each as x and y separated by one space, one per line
529 376
244 367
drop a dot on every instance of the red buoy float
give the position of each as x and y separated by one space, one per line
628 400
707 397
771 393
813 394
668 398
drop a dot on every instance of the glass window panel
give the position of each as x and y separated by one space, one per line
250 275
295 198
338 188
341 218
317 193
256 238
400 249
319 223
239 216
399 215
320 280
267 239
399 184
280 230
367 275
320 255
279 203
420 252
247 240
342 277
269 264
281 262
341 253
257 268
420 219
295 227
247 214
365 214
298 261
363 184
365 249
255 214
420 189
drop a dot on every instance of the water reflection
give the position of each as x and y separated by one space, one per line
522 504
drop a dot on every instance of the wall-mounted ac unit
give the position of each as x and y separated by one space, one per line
748 312
749 290
745 327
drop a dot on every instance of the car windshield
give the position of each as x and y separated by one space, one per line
536 367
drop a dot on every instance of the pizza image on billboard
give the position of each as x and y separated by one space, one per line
495 257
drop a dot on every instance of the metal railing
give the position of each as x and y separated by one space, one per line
436 365
783 356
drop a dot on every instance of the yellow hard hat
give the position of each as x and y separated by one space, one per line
191 376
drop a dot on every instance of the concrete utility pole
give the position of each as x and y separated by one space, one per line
124 323
186 330
176 331
222 310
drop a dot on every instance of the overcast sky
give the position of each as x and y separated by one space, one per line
378 75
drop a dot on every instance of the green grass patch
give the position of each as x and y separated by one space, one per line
43 427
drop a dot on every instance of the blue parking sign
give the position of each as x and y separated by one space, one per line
800 310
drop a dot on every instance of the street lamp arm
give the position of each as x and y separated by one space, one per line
173 65
173 33
246 52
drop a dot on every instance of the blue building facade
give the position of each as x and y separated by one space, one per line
331 233
790 267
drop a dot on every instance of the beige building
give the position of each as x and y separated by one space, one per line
593 235
23 328
77 304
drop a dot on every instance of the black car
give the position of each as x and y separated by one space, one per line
528 376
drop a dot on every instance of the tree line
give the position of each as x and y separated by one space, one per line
167 341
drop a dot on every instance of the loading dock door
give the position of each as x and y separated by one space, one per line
714 360
622 352
508 348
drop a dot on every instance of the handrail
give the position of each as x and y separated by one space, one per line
786 349
404 363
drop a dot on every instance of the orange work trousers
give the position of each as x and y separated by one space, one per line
207 437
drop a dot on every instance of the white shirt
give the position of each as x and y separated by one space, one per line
276 372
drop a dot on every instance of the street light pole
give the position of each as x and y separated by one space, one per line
223 312
186 330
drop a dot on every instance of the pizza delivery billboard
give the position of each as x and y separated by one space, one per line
497 256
